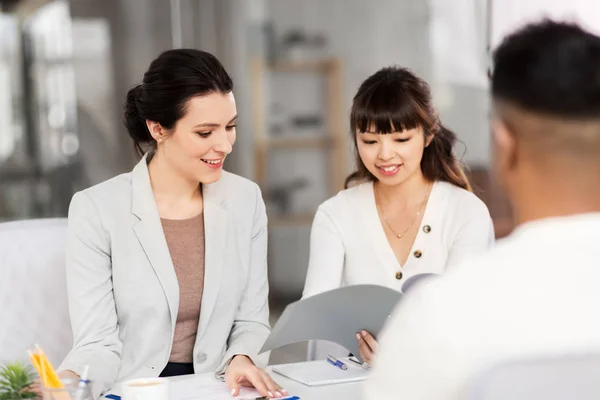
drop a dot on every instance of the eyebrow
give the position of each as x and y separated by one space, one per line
212 124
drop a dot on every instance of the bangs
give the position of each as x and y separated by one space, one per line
385 109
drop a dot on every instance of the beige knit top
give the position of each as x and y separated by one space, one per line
185 239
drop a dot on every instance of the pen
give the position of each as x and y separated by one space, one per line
362 365
83 380
337 363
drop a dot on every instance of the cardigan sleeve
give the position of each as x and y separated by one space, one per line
326 260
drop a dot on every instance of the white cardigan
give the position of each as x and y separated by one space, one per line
348 245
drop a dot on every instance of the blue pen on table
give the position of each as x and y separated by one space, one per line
113 397
336 363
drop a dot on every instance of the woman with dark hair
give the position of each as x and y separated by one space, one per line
166 265
408 209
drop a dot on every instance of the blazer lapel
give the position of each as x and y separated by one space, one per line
149 232
215 237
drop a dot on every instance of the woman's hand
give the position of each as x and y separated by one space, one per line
243 372
36 386
367 345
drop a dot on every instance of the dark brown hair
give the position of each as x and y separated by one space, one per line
395 99
171 81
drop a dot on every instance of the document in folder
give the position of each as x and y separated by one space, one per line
335 316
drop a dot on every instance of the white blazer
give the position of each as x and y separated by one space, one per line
348 245
123 290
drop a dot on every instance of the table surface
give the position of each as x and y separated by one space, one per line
346 391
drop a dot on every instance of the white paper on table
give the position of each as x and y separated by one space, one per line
321 373
207 388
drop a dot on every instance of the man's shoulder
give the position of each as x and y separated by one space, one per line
468 285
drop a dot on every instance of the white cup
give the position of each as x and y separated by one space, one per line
145 389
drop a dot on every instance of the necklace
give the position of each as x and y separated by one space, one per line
400 235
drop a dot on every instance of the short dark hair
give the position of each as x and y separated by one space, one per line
550 68
170 82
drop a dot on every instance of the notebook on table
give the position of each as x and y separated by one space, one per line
321 373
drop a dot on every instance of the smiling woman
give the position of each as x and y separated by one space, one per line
186 122
195 149
166 265
392 107
408 208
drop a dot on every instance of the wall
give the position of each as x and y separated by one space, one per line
367 35
509 14
138 31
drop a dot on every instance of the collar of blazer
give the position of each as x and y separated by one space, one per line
151 237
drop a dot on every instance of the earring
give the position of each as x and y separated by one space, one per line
160 140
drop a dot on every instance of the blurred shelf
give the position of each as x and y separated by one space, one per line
305 66
300 142
291 219
334 133
17 174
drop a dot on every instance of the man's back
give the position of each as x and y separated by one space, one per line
537 292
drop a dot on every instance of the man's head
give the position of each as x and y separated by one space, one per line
546 119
